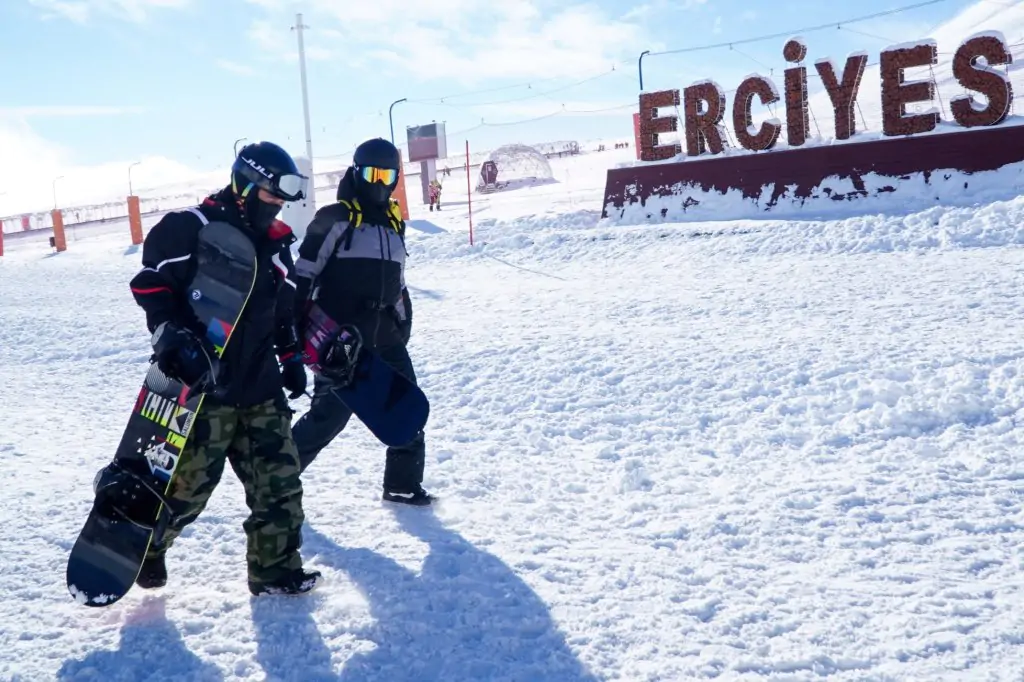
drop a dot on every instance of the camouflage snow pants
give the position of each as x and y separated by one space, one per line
257 441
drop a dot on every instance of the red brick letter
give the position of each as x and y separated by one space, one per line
702 130
897 94
844 94
651 125
797 118
994 85
742 120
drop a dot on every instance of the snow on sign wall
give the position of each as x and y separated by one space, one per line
934 168
765 176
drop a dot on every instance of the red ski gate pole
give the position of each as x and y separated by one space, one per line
469 195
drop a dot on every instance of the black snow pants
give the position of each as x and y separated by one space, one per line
328 416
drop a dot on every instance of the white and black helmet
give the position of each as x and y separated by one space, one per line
267 166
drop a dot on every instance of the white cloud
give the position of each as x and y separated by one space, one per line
236 68
470 40
80 11
276 41
28 184
68 110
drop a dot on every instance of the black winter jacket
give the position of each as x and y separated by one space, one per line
356 275
249 369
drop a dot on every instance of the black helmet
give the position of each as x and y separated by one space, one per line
376 164
266 166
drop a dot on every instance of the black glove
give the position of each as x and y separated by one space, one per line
289 352
293 376
183 356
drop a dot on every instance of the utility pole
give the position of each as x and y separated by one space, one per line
130 193
59 177
298 28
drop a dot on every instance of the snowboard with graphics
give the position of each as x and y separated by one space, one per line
129 512
391 406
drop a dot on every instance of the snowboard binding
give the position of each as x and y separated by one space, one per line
342 356
124 495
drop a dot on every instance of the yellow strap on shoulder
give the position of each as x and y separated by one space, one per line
395 216
355 212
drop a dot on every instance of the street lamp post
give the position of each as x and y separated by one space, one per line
55 191
241 139
640 68
130 193
390 121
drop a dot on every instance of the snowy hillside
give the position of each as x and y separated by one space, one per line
1007 18
734 450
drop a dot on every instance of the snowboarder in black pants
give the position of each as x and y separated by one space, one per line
353 258
245 421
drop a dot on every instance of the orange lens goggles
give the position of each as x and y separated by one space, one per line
373 174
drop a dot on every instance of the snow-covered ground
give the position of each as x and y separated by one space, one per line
734 450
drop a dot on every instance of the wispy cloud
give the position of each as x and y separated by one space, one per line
470 41
276 40
80 11
236 68
62 110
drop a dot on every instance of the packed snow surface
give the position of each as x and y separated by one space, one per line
738 450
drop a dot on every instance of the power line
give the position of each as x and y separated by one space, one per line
806 29
502 124
441 102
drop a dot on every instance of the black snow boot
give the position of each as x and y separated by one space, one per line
300 581
153 573
417 498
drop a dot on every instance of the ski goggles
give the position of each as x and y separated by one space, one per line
388 176
288 187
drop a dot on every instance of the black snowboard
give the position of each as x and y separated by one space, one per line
129 510
393 408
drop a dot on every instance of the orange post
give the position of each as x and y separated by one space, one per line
135 219
399 194
59 242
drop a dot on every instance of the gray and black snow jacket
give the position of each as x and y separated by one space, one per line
352 263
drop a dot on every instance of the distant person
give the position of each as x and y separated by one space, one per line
434 194
352 265
245 421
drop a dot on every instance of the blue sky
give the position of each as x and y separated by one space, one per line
89 82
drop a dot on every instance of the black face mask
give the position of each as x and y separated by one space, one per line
260 214
373 192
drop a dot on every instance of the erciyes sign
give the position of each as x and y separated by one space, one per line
704 103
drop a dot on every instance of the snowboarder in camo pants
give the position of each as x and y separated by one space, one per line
246 422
